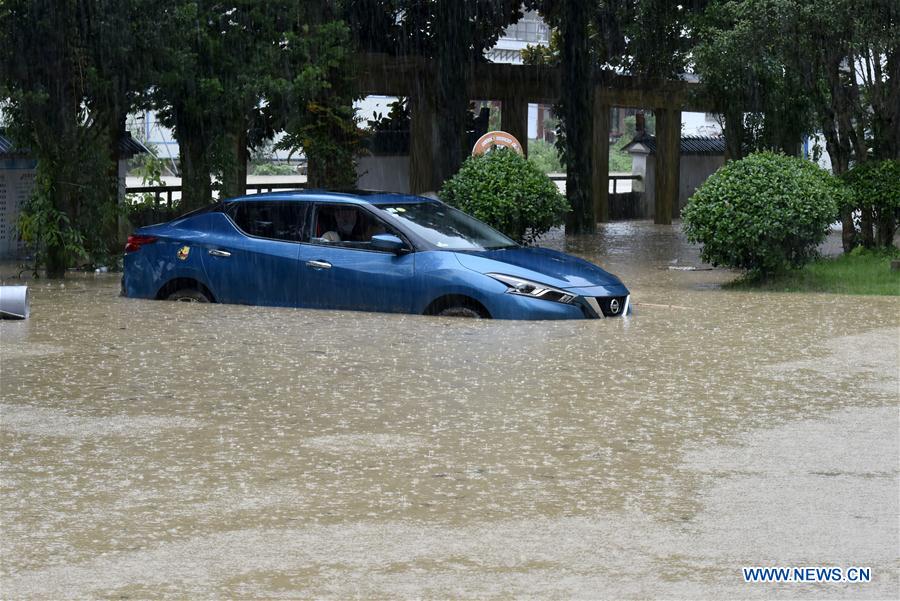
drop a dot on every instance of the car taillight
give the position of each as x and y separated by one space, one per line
135 242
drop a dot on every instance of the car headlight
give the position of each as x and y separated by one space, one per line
524 287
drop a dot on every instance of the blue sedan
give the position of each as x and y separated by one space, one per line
365 251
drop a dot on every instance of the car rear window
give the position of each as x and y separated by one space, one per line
276 220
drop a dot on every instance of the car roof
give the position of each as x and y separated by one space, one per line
372 197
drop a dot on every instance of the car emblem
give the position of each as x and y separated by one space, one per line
183 252
614 306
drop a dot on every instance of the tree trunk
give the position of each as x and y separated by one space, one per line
451 101
835 128
234 172
885 224
115 130
886 129
577 116
56 256
196 189
840 162
56 262
892 108
885 100
734 136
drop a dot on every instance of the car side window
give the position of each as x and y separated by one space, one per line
274 220
347 226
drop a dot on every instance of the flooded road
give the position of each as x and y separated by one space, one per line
155 449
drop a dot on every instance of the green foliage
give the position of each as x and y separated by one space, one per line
742 57
274 169
322 121
61 238
762 213
46 229
619 160
507 192
69 74
874 188
862 271
884 253
396 120
777 69
540 54
874 185
146 211
143 209
544 156
149 167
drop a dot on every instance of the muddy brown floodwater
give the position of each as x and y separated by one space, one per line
154 449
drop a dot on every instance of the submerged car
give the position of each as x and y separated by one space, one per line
367 251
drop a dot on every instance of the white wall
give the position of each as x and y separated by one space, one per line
16 184
699 124
693 171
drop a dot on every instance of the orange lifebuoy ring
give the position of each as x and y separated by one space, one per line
499 139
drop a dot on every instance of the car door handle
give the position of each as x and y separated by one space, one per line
219 253
319 264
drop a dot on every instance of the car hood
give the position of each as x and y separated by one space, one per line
542 265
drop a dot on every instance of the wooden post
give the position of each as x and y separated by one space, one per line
668 159
600 159
514 119
421 145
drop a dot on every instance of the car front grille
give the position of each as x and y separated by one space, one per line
608 306
613 306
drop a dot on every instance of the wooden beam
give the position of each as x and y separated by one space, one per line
399 76
668 162
514 120
600 158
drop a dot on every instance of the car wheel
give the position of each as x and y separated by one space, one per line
460 311
188 295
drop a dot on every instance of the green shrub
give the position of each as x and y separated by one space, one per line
507 192
875 185
145 211
545 156
273 169
762 213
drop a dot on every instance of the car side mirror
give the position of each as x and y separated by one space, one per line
387 242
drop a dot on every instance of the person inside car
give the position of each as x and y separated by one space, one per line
345 219
350 226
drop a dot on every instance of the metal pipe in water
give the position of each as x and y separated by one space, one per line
14 302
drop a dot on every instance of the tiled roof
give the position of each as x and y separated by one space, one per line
128 147
689 144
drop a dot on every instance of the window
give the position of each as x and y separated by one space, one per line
448 228
266 219
348 226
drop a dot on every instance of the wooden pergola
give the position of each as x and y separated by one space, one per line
515 86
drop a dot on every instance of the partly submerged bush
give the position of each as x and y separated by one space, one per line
762 213
507 192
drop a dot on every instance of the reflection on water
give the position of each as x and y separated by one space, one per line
154 449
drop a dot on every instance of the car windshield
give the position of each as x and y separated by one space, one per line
448 228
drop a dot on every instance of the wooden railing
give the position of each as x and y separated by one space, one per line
167 191
160 192
613 178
